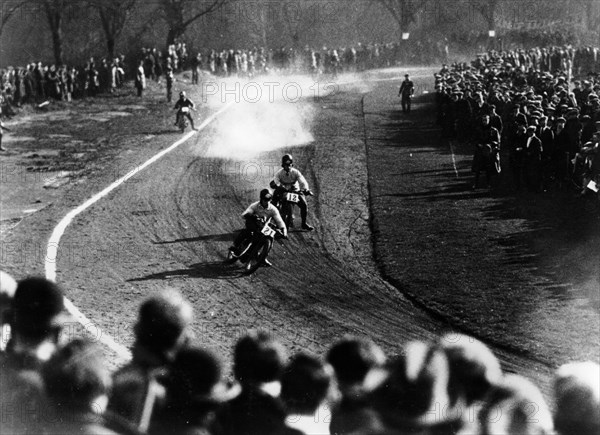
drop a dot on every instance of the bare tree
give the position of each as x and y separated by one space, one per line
299 18
179 14
55 10
113 16
487 9
8 10
404 12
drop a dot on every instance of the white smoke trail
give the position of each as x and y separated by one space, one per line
268 113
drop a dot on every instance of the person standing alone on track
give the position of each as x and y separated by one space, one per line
407 90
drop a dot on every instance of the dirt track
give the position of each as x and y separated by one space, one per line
171 227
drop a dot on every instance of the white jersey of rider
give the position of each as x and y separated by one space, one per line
294 178
269 212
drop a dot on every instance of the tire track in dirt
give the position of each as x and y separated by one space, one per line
173 228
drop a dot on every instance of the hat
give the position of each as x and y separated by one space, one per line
353 358
521 119
561 120
508 406
162 319
577 393
195 378
531 128
473 366
8 286
416 388
76 375
38 304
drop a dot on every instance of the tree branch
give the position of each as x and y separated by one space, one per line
212 7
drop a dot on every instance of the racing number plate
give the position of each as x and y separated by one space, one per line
185 109
268 231
291 197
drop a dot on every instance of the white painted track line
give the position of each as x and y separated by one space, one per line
53 245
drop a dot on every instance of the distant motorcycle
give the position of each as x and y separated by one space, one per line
253 250
182 121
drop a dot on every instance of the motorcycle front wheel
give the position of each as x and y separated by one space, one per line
258 255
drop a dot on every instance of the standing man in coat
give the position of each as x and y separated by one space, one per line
407 89
140 79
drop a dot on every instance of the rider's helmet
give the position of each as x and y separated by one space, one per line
286 158
182 94
265 194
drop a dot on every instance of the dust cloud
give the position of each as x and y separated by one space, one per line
264 114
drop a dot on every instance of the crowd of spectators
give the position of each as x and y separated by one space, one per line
37 83
535 112
172 385
260 60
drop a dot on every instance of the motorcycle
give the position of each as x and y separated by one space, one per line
182 121
255 248
286 202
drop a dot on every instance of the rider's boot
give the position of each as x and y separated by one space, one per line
307 227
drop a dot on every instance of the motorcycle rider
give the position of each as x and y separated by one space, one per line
184 102
260 209
290 179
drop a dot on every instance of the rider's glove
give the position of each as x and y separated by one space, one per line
307 192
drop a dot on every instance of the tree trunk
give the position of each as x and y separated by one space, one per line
174 33
110 45
58 47
57 39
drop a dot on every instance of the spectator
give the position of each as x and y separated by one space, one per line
474 369
577 393
305 388
516 406
357 363
258 365
415 389
194 392
8 286
77 383
486 153
533 160
161 331
36 320
140 79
